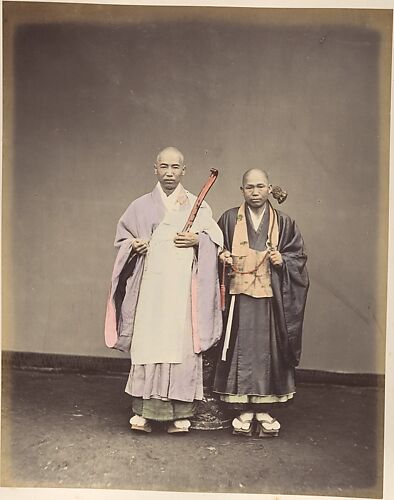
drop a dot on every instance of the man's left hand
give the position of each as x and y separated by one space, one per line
186 240
276 258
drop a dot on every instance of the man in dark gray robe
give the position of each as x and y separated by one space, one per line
265 301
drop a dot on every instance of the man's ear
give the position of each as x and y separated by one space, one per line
183 169
270 188
242 189
155 168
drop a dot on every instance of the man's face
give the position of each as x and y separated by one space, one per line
169 170
256 189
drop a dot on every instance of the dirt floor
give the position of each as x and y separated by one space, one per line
70 430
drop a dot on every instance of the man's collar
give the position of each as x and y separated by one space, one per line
173 194
170 201
256 219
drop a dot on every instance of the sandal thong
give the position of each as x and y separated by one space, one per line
242 428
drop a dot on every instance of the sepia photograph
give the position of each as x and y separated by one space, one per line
195 249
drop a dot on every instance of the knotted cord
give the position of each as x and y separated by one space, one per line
270 248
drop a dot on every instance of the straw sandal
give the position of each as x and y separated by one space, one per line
178 426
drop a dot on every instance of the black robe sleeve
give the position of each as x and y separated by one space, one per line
290 284
227 224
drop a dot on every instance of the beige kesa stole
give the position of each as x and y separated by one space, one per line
251 268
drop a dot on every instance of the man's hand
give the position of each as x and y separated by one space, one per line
186 240
140 246
276 258
225 257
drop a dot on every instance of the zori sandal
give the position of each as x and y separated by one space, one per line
178 426
138 423
243 425
267 425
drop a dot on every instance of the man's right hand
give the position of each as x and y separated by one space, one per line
140 246
225 257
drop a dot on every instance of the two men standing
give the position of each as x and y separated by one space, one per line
164 303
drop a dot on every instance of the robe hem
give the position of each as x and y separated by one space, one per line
255 398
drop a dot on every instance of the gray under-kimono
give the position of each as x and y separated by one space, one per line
255 363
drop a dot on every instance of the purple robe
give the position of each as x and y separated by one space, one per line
182 381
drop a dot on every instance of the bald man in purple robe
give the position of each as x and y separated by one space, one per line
164 304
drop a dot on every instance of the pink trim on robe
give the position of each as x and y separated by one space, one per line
110 332
196 337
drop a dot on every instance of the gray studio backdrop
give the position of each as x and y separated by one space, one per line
93 92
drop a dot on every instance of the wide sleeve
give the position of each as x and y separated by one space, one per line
290 284
207 315
125 266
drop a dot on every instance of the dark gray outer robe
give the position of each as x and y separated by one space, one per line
285 309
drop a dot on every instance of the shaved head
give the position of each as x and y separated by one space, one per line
171 152
253 172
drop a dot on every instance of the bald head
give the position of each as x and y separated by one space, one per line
255 173
170 154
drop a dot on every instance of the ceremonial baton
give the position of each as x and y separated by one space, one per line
193 214
200 198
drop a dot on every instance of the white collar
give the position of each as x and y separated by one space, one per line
256 219
171 201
